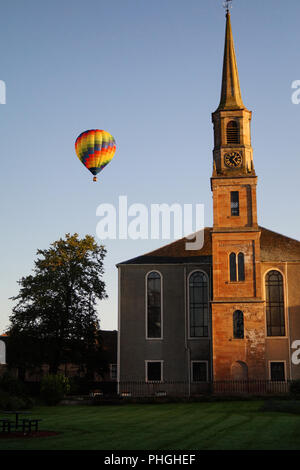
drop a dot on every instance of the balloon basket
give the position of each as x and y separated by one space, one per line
95 178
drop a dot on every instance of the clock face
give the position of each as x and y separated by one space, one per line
233 159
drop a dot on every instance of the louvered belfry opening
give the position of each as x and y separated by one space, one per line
233 133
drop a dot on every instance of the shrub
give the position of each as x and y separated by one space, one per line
13 394
9 402
74 386
295 388
12 385
79 385
54 388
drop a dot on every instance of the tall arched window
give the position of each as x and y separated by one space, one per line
233 133
232 266
154 326
237 267
238 324
198 305
241 266
275 304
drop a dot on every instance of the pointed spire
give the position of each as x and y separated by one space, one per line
231 97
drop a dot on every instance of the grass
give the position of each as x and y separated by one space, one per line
182 426
289 406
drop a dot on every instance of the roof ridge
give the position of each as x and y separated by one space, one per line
175 241
280 234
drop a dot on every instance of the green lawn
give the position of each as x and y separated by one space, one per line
184 426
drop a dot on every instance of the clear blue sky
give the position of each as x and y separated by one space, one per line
148 72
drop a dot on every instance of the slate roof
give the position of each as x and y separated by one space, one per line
274 247
277 247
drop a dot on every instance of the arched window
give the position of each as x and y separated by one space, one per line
238 324
275 304
241 267
233 133
198 305
237 267
239 371
232 265
154 329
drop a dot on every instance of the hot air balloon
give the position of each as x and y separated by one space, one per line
95 149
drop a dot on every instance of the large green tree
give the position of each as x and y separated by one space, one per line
55 319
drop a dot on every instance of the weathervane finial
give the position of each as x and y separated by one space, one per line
227 5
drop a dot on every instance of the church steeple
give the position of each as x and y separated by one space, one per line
233 154
236 266
231 97
233 169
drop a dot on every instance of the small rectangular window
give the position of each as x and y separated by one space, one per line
277 372
154 371
235 203
199 371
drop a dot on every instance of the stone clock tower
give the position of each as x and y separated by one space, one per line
238 320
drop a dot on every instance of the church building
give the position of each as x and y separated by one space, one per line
231 310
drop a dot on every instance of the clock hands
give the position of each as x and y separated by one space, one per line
233 159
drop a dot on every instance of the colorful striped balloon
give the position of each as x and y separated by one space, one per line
95 149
